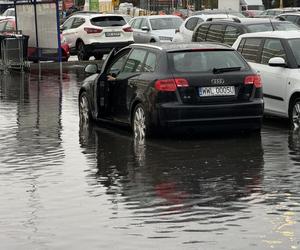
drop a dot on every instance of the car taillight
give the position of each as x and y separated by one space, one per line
170 85
253 79
92 30
128 29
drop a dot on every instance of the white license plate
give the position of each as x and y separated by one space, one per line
112 34
217 91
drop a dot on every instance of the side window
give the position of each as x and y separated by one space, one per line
272 48
67 24
200 33
241 45
231 34
191 23
135 61
2 26
144 23
215 33
251 49
291 18
9 26
118 63
150 62
137 23
77 22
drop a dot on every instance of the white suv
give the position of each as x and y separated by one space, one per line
93 34
276 57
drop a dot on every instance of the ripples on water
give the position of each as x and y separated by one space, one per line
67 187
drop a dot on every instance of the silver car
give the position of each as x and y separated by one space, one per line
156 28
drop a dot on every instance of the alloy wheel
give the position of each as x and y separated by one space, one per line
139 124
81 54
296 115
84 111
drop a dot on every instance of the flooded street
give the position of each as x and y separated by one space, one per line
66 187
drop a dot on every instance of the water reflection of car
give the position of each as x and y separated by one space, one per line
156 28
173 172
8 27
152 87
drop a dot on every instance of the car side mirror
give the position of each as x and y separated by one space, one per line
277 62
91 69
145 28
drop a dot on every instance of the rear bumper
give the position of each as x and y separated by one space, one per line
105 47
237 115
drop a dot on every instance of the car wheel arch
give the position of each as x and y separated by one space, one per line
293 97
79 40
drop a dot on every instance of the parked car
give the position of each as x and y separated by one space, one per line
172 85
276 56
10 12
183 13
186 29
90 34
227 31
156 28
8 27
271 13
219 11
293 17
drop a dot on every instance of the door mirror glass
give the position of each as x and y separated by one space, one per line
145 28
277 62
91 69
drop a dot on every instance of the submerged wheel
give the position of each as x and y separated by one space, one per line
81 52
84 109
140 123
294 115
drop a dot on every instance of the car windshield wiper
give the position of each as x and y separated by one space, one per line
222 70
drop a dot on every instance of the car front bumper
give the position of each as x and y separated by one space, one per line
237 115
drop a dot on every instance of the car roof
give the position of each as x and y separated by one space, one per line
275 34
296 13
158 16
93 14
248 20
171 47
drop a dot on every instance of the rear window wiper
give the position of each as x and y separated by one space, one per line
222 70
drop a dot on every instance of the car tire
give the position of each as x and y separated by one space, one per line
140 123
98 56
294 113
85 115
81 52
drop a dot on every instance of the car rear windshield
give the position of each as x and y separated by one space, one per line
205 61
260 27
107 21
165 23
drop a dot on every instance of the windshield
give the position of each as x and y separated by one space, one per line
295 47
165 23
260 27
206 61
106 21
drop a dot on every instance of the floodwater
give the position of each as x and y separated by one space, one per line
66 187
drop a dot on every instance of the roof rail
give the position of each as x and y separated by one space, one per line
234 19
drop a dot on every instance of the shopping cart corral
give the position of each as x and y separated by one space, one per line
14 52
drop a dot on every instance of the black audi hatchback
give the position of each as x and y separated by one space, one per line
151 87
